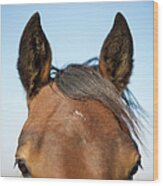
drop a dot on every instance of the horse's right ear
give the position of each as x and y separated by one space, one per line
34 60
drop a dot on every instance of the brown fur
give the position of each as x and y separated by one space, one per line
73 130
57 142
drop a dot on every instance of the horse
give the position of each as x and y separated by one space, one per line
80 124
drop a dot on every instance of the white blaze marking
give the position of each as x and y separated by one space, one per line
78 113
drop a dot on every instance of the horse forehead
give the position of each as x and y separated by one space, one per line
51 102
50 108
53 114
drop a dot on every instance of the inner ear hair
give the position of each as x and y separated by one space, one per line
34 60
116 61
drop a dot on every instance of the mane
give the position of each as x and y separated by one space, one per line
83 82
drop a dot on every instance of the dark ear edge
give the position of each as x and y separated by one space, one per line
116 54
34 60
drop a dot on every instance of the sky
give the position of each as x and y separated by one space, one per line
76 32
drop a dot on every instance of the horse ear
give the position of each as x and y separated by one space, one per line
116 54
34 60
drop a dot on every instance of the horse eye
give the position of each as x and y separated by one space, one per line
23 168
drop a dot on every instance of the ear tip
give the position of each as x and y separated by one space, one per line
35 16
121 23
119 14
35 19
120 17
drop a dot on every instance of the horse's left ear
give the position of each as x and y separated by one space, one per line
34 61
116 54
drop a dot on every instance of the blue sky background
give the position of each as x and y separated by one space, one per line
76 32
